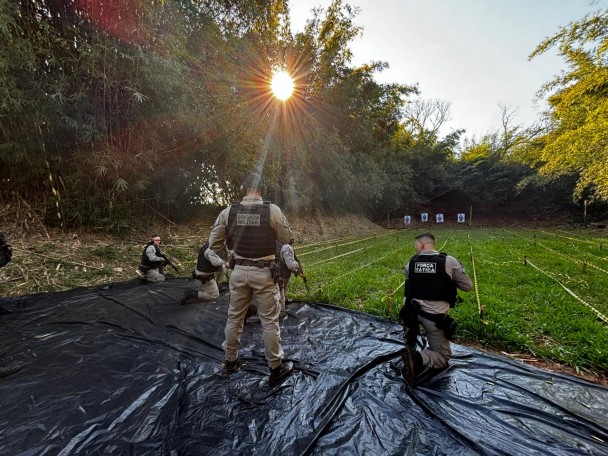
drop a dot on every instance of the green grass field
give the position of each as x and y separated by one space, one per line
542 293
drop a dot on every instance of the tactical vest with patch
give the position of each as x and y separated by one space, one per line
249 232
428 280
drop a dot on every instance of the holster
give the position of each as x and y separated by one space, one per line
448 324
275 271
442 321
203 279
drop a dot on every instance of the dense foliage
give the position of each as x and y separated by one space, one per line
115 107
576 139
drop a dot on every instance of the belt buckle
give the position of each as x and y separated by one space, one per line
260 264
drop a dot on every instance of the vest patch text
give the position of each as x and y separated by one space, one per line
248 219
425 268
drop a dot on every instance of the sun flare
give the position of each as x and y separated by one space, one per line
282 85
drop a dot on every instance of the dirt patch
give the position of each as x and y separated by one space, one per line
305 229
550 366
308 229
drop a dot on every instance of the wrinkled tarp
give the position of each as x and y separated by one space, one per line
125 369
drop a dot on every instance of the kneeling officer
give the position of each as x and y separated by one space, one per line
432 280
208 265
152 261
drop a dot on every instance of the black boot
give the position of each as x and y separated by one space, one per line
412 366
188 295
141 276
251 311
233 366
280 372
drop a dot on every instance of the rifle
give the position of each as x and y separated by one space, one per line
305 281
409 317
169 263
301 274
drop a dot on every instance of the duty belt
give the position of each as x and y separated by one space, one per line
258 263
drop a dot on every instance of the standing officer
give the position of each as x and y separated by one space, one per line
208 266
288 264
432 279
152 261
250 228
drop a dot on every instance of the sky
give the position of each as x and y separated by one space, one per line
470 53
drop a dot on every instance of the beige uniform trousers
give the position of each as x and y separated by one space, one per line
207 291
154 275
252 284
439 352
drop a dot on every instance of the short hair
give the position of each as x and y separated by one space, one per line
426 236
253 182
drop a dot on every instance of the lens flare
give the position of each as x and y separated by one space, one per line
282 85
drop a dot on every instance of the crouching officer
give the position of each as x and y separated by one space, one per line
250 228
432 280
208 265
152 261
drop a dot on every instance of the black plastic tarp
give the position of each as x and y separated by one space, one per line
126 369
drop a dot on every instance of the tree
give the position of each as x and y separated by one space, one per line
424 117
577 137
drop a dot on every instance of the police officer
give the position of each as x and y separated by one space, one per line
288 264
152 261
430 290
250 228
208 265
6 253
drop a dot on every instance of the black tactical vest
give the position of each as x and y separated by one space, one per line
145 261
249 232
6 251
202 263
427 279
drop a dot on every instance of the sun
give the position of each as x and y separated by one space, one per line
282 85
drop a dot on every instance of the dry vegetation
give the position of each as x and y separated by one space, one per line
49 259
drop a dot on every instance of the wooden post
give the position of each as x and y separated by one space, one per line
470 216
585 204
